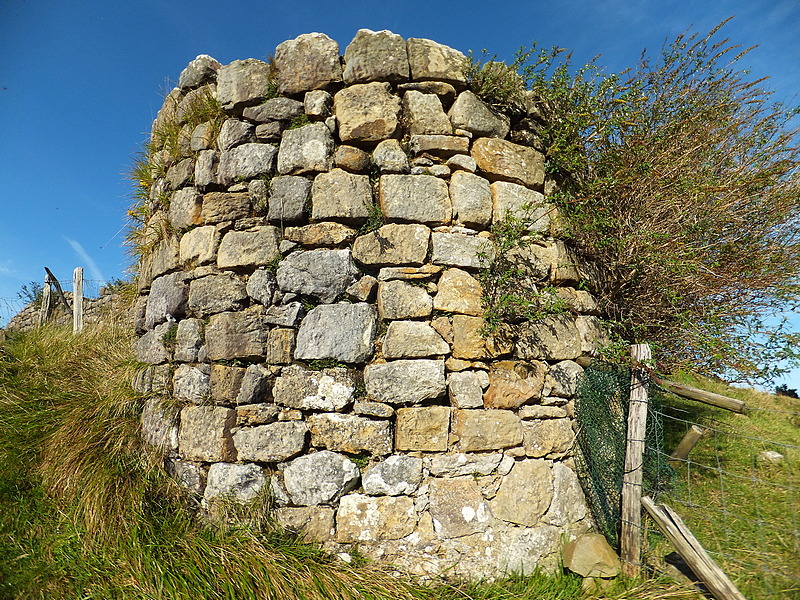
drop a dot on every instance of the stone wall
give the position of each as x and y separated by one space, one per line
314 306
108 304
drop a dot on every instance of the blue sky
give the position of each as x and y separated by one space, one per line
81 81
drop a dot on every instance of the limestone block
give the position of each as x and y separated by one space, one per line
524 550
226 382
413 339
188 340
246 249
445 91
318 104
472 199
422 429
256 385
405 381
270 132
205 433
506 161
340 195
274 109
150 348
376 56
591 556
287 198
232 335
320 478
430 61
363 290
443 146
423 114
222 206
400 300
368 519
308 62
261 286
306 389
468 343
202 138
479 430
190 476
274 442
368 408
471 114
559 337
350 434
280 346
562 379
547 437
203 69
459 250
457 507
285 315
312 524
179 175
344 332
569 504
307 149
525 493
192 384
511 199
367 112
421 198
246 162
456 465
235 132
242 83
351 159
241 483
167 299
199 246
512 384
465 388
393 244
461 163
458 292
395 476
205 168
390 157
323 274
160 425
256 414
184 208
216 294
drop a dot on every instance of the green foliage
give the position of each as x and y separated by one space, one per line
495 82
298 121
375 219
170 336
31 293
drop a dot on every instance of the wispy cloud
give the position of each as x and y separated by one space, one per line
84 256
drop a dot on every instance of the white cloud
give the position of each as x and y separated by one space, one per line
84 256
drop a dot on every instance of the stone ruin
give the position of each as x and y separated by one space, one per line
311 300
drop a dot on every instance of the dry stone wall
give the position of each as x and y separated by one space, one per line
314 306
109 304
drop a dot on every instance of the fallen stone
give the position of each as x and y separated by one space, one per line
344 332
308 62
323 274
591 556
405 381
393 244
350 434
367 519
413 339
367 112
340 195
271 443
423 429
319 478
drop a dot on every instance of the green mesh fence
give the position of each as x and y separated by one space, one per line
601 408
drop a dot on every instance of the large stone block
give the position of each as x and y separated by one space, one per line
559 337
203 69
472 199
150 348
401 300
423 114
320 478
376 56
167 299
514 200
312 524
205 433
305 389
459 250
525 493
423 429
389 157
393 245
216 294
199 246
457 507
591 556
242 83
420 198
465 388
223 206
188 340
308 62
480 430
240 483
405 381
274 442
470 113
340 195
395 476
569 504
232 335
246 162
256 247
547 437
458 292
500 159
160 425
274 109
413 339
191 384
326 233
350 434
307 149
430 61
563 378
184 208
368 519
367 112
323 274
524 550
287 198
512 384
455 465
234 132
226 382
344 332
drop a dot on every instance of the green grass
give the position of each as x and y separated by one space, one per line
745 511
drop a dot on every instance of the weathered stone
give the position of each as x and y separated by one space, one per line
261 286
440 171
274 442
270 132
318 104
246 249
351 434
255 414
770 457
188 340
470 113
394 476
163 259
199 246
421 198
340 195
205 433
458 292
160 425
513 384
559 337
351 159
274 109
547 437
472 199
525 494
413 339
458 250
234 133
323 274
246 162
422 429
580 300
376 56
542 412
569 504
400 300
393 244
366 519
184 208
308 62
507 161
455 465
423 114
590 556
405 381
329 389
408 273
205 169
344 332
233 335
306 149
191 384
368 408
202 69
390 157
312 524
367 112
363 290
280 346
461 163
468 341
167 299
445 91
525 550
443 146
429 60
223 206
511 199
202 138
457 507
179 175
190 476
242 83
562 379
256 385
150 348
287 198
478 430
240 483
226 382
216 294
466 388
286 315
319 478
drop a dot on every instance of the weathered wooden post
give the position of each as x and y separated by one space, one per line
77 300
47 300
681 452
631 534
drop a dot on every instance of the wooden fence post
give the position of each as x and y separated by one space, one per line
47 300
631 534
77 300
689 441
